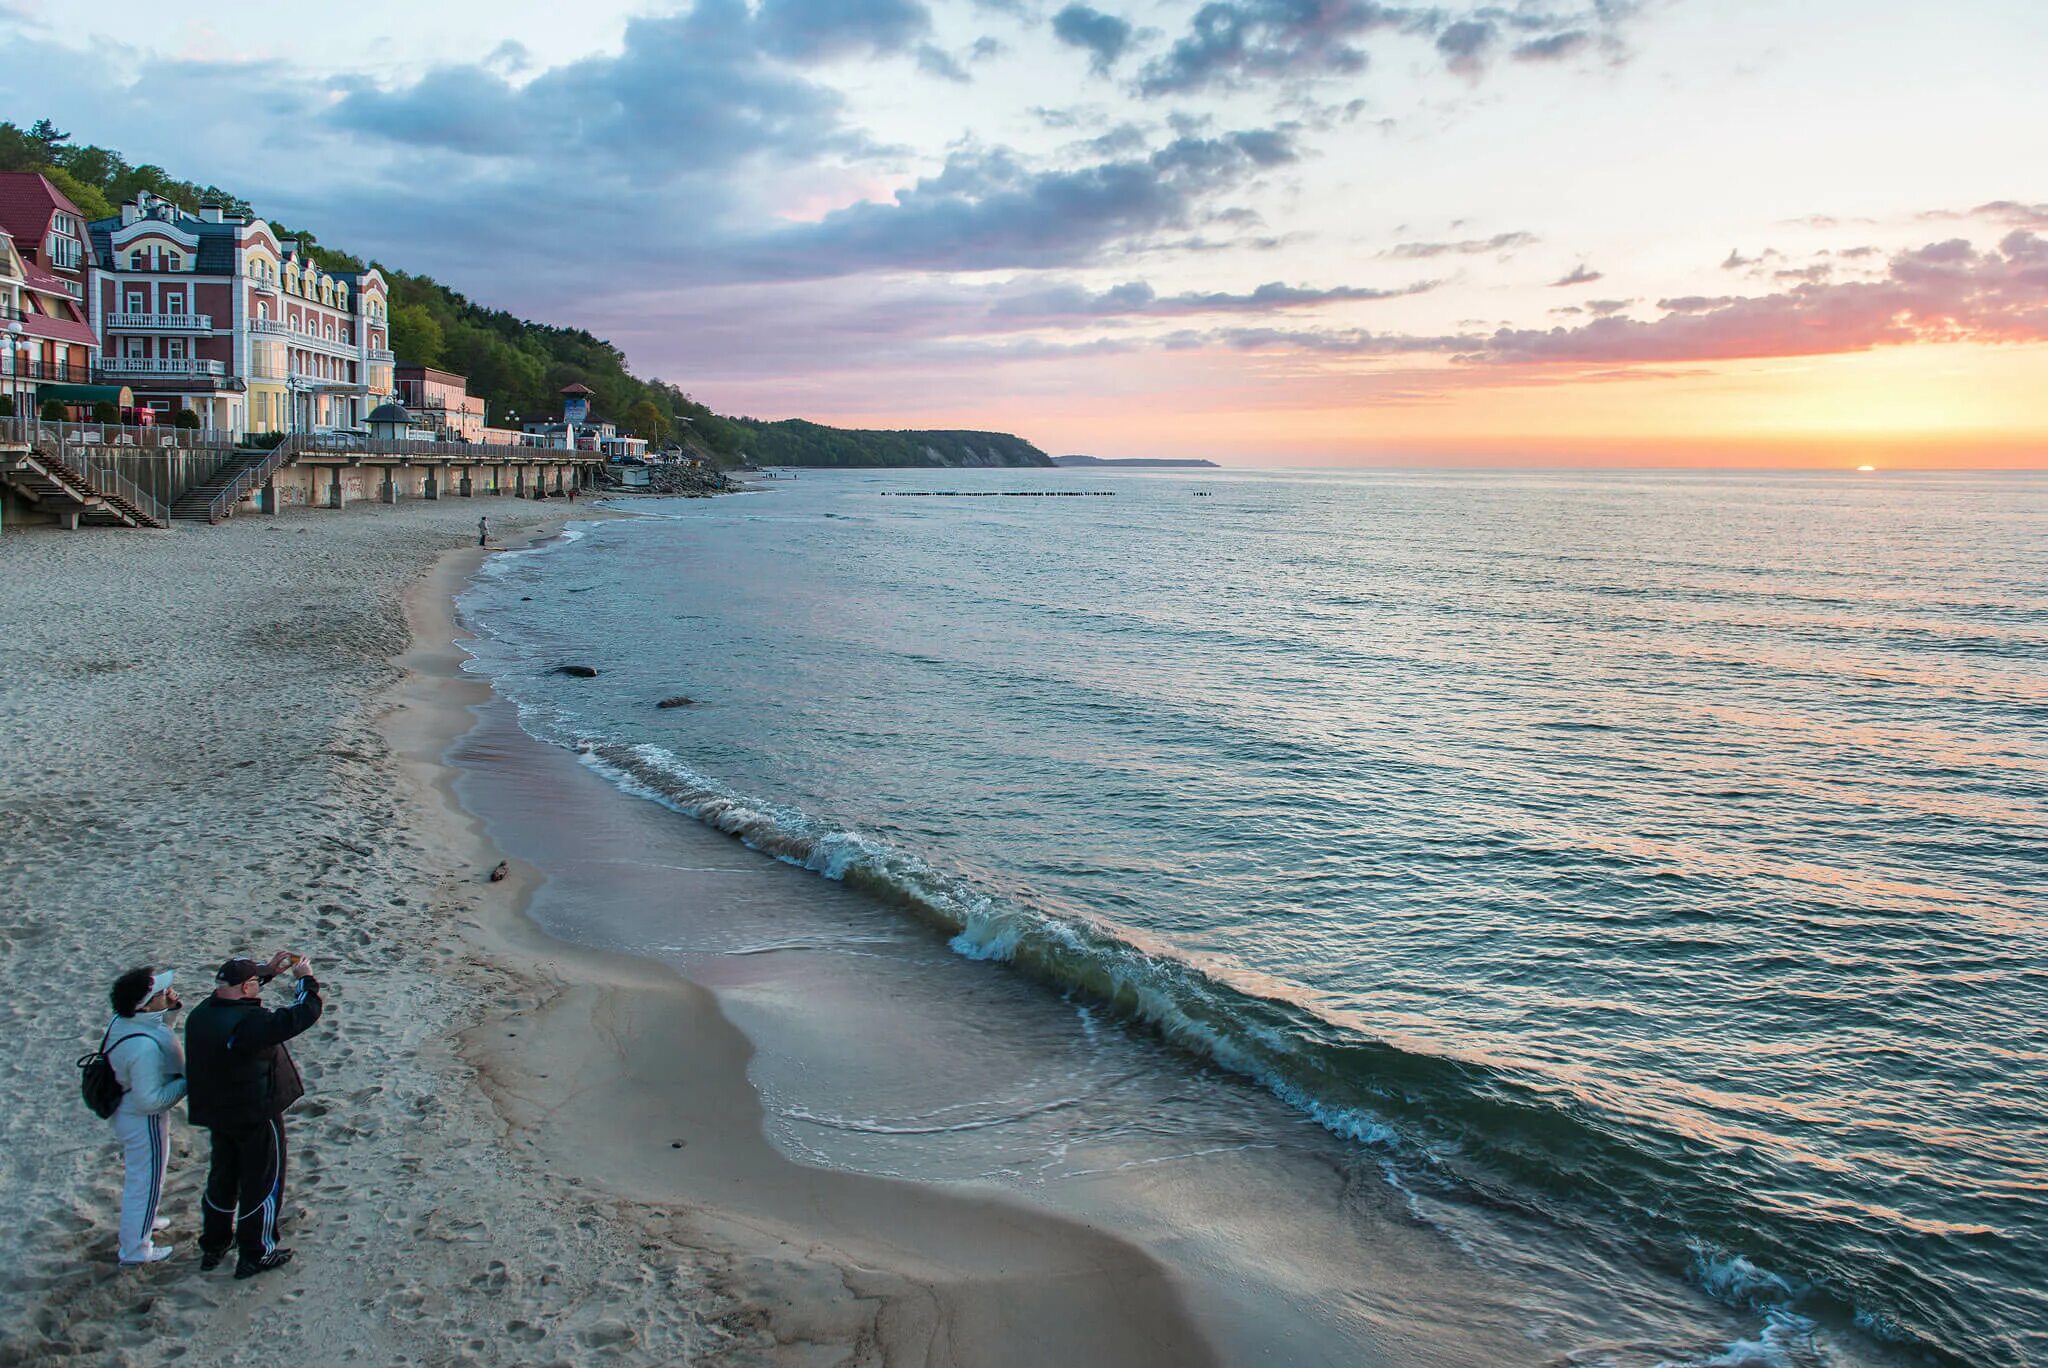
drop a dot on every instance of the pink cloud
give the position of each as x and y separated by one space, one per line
1942 292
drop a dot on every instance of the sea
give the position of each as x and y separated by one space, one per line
1635 883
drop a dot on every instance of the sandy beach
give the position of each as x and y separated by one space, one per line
514 1150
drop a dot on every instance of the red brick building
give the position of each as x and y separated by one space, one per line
46 336
215 313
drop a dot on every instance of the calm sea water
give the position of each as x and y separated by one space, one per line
1662 859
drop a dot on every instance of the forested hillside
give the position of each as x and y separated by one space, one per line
518 367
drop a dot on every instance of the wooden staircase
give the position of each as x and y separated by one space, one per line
55 487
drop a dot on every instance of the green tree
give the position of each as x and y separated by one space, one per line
53 411
90 199
186 419
106 411
415 337
647 420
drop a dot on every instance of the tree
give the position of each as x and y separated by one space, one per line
106 411
186 419
6 406
90 200
647 420
415 337
47 139
53 411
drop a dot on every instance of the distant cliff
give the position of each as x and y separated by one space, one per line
794 442
1152 462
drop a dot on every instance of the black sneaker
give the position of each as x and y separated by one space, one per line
209 1259
249 1268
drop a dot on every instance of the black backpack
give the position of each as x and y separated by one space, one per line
97 1084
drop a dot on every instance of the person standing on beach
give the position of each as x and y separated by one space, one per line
151 1071
242 1079
483 530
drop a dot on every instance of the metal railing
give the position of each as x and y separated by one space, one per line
57 371
161 365
247 479
338 443
333 346
146 466
305 378
160 322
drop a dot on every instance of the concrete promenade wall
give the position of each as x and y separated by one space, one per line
312 483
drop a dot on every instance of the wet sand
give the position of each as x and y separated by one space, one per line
627 1076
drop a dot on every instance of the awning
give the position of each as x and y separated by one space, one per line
82 396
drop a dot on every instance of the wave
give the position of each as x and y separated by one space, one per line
1459 1129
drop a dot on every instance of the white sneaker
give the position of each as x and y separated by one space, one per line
155 1253
162 1223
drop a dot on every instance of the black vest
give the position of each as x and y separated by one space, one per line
242 1086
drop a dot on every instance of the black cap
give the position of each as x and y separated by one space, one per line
239 970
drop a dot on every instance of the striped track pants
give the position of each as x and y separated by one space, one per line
146 1154
244 1189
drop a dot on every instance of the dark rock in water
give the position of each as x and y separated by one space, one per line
677 701
498 871
577 671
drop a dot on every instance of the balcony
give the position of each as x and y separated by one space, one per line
159 322
329 346
306 380
62 373
379 354
161 365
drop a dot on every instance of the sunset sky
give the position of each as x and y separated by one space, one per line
1636 232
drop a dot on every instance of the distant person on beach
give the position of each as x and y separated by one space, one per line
151 1070
242 1079
483 530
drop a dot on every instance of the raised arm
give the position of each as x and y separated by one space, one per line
279 1024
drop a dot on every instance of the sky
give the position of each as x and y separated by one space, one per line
1266 232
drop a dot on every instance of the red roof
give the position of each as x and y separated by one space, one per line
27 199
43 282
578 389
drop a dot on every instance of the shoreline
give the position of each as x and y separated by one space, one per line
912 1272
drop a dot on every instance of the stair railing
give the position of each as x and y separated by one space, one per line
248 478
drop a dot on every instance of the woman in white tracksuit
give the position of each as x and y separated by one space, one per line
150 1064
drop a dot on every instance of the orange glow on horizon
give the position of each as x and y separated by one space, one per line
1957 406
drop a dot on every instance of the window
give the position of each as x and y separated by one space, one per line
138 262
135 304
174 348
132 346
174 303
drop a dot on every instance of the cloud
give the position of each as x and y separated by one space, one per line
1464 45
1580 274
1499 242
990 211
1604 307
1942 292
1229 42
1104 36
695 91
2012 213
817 30
1554 47
936 61
1136 299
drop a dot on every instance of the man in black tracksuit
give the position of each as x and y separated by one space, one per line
240 1078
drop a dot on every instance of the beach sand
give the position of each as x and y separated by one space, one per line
514 1150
